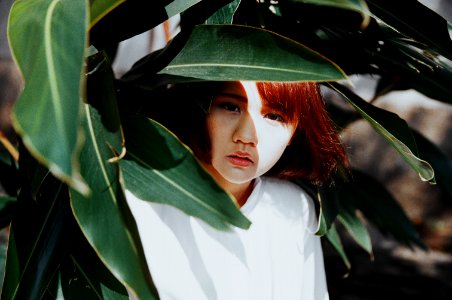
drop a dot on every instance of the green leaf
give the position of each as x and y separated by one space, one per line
235 52
415 68
102 215
4 233
333 237
421 24
380 208
37 241
327 197
225 14
113 21
5 200
392 128
355 5
158 168
48 39
100 8
354 225
439 161
177 6
8 207
84 276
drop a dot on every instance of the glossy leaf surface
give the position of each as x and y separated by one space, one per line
158 168
48 41
248 53
393 129
103 215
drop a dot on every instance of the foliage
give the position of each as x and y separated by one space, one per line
72 234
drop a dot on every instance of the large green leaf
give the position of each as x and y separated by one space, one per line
102 215
248 53
47 38
159 168
392 128
421 24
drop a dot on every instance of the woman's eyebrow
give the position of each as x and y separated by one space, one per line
234 96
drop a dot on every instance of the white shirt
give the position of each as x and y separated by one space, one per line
278 257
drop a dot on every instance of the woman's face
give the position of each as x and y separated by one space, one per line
247 135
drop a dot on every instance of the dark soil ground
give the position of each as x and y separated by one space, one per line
395 272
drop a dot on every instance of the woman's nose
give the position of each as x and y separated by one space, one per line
245 132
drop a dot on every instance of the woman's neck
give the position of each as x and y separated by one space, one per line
240 191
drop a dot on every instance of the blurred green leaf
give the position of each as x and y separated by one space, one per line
380 208
333 237
248 53
102 215
392 128
48 39
421 24
354 225
158 168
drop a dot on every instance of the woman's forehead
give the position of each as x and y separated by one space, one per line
233 87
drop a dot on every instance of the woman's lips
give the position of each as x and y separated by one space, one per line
240 159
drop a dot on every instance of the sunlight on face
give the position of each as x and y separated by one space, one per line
247 135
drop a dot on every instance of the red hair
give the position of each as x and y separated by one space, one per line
315 152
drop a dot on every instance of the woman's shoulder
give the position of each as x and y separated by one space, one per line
289 200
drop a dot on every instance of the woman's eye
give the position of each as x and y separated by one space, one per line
274 117
230 107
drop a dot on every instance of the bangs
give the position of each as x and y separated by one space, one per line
289 98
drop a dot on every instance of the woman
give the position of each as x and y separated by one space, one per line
252 138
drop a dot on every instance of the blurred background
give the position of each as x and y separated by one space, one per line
394 271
